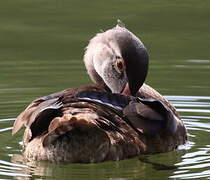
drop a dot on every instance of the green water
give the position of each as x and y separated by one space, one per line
41 49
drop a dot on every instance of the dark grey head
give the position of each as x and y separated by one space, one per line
117 57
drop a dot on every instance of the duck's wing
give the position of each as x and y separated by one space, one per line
28 116
147 92
147 116
111 100
151 116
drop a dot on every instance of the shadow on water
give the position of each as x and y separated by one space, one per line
188 162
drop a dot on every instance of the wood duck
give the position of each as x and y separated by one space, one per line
115 118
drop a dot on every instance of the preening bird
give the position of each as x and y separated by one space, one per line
115 118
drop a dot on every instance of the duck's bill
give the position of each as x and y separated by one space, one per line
126 90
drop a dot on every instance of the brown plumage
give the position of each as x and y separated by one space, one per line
97 123
60 127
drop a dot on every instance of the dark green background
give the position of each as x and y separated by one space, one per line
41 50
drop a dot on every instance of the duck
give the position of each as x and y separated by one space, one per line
117 117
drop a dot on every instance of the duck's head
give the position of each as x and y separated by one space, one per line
117 58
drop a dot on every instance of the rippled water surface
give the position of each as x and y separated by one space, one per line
41 49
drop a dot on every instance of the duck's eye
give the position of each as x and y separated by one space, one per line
120 65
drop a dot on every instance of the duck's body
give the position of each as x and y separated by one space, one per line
91 124
63 127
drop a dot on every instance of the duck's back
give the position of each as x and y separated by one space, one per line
91 125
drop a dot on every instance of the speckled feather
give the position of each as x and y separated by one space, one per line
81 131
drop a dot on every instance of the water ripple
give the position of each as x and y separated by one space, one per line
195 164
12 169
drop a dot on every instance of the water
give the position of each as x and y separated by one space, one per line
41 49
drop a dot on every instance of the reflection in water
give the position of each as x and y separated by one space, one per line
107 170
199 60
190 161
